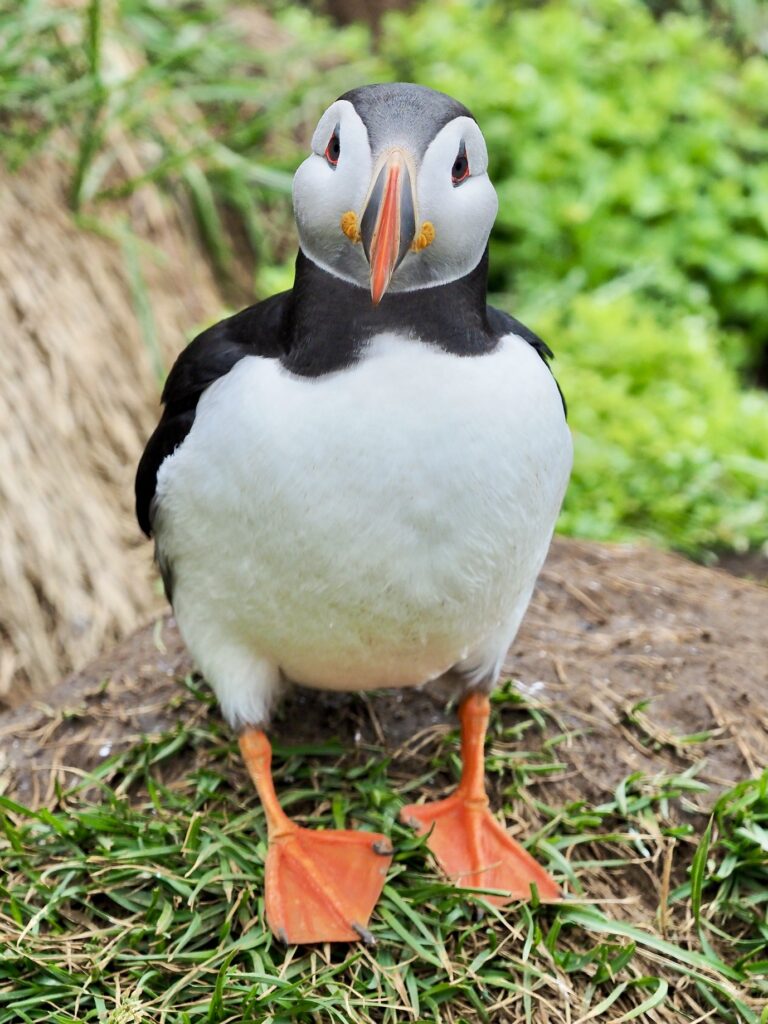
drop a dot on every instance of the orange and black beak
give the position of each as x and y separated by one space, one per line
388 225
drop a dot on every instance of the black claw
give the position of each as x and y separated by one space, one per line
368 938
382 847
282 937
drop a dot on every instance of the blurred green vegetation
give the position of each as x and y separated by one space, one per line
628 144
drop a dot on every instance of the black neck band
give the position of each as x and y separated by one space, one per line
331 320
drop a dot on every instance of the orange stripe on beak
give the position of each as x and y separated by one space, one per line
385 242
388 222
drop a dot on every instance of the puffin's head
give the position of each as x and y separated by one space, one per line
395 194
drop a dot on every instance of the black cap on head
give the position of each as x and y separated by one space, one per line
414 111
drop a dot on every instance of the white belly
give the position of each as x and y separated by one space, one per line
372 527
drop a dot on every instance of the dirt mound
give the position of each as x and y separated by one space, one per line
85 333
609 628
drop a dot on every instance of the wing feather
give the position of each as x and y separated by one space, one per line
260 330
503 323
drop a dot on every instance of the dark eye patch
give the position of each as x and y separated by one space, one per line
460 169
333 149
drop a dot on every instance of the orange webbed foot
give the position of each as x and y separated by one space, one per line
321 886
475 851
469 844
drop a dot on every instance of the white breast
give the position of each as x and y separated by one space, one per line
371 527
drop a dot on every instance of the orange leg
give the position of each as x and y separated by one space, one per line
321 886
471 847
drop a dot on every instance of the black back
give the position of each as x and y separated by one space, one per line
321 326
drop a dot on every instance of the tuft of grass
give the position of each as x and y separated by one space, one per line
208 105
182 86
138 895
727 887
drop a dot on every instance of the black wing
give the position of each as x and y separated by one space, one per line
502 323
260 330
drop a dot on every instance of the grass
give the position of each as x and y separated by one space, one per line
137 896
142 93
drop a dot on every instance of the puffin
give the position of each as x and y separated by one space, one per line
354 483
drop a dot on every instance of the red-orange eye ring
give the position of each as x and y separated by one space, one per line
460 169
333 149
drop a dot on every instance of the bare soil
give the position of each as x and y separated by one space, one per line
609 629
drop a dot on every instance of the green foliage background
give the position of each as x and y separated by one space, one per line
629 152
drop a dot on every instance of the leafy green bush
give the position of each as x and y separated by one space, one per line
617 142
667 445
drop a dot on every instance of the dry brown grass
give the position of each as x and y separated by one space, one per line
78 398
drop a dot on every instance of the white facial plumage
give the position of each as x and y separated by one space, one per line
323 193
462 214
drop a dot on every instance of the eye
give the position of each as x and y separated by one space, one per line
333 149
460 169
